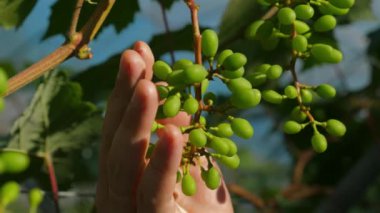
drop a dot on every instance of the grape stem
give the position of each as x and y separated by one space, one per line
75 18
53 180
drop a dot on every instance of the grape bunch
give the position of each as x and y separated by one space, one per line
297 23
184 88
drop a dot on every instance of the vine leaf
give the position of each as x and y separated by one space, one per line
57 119
361 11
121 15
14 12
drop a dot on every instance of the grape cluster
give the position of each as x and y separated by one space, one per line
297 22
208 141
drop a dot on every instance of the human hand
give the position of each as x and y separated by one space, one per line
128 182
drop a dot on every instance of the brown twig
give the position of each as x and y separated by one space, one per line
75 18
245 194
300 191
53 181
303 159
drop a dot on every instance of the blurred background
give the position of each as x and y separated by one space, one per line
278 173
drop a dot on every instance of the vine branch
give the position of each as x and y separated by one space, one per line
75 18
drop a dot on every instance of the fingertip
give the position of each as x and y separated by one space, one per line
169 133
131 63
146 53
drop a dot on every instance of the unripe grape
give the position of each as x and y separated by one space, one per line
246 98
195 73
302 28
335 57
15 162
234 61
176 78
163 91
3 81
324 23
290 92
242 128
212 178
9 192
304 11
270 43
332 10
238 84
307 96
231 162
297 114
292 127
219 145
265 30
154 127
224 130
182 64
335 128
209 98
274 72
321 52
35 197
262 68
231 146
232 74
189 187
191 105
205 84
342 3
251 31
172 106
257 79
319 142
210 43
202 121
223 55
326 91
197 137
286 16
272 96
161 70
299 43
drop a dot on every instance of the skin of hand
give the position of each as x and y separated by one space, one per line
128 182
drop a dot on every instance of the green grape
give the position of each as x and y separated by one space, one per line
202 121
269 43
210 43
304 11
189 187
335 127
3 81
265 30
205 84
224 130
182 64
179 177
274 72
297 114
161 70
286 16
232 74
257 79
319 142
335 57
35 196
324 23
262 68
223 55
234 61
237 84
299 43
307 96
15 162
197 137
242 128
191 105
251 31
246 98
231 162
172 106
154 127
9 192
209 98
272 96
231 146
292 127
219 145
321 52
343 3
326 91
2 104
163 91
332 10
176 78
195 73
290 92
212 178
302 28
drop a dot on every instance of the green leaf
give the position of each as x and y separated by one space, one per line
57 119
14 12
361 11
121 15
